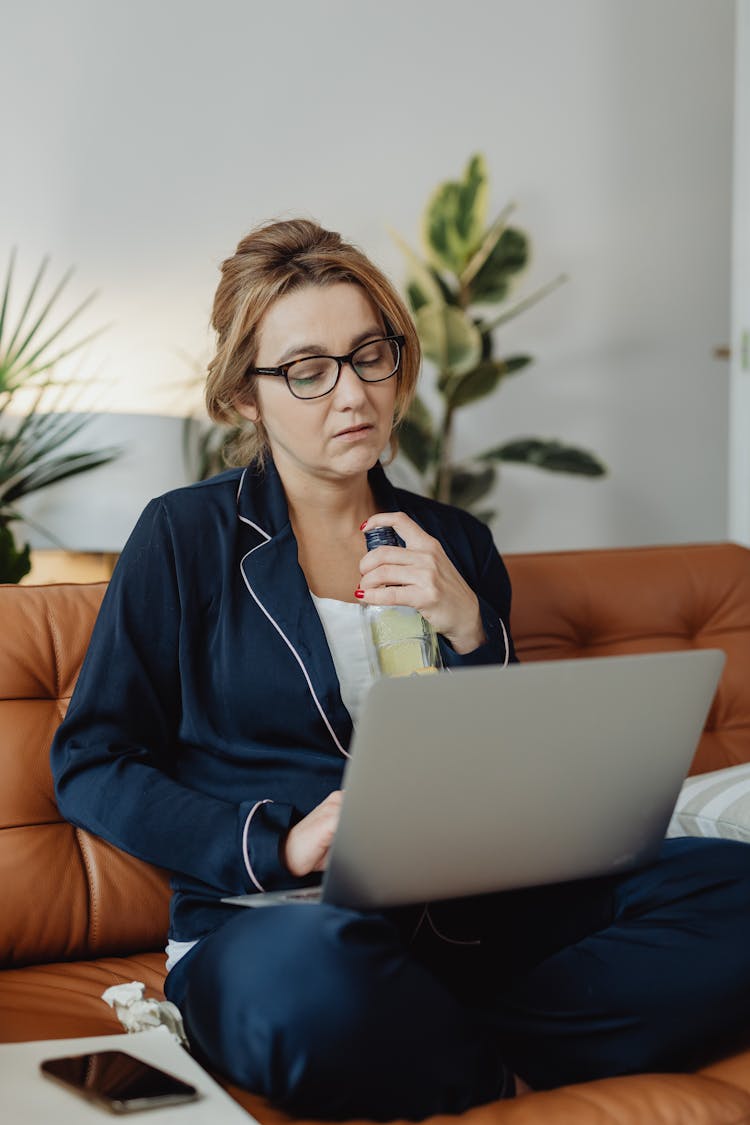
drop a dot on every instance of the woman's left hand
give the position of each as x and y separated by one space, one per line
421 576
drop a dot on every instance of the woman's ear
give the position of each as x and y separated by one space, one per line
248 409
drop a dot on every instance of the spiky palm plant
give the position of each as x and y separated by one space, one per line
32 439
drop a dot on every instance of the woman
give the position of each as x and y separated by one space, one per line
209 730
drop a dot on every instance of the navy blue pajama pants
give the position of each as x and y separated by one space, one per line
336 1013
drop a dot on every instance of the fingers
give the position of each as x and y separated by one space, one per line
308 842
325 815
395 595
398 576
400 585
411 533
334 798
397 560
417 565
423 577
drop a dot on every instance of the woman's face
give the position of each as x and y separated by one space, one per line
343 433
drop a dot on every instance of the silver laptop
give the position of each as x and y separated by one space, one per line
486 779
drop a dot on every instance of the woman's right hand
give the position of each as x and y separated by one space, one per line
308 843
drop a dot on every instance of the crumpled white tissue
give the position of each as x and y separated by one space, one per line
137 1014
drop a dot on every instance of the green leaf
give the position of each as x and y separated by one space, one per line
509 255
423 288
27 353
415 446
416 436
474 385
487 245
41 475
468 486
415 296
29 301
449 338
455 217
513 363
32 333
30 445
14 564
6 295
450 296
547 454
38 435
482 380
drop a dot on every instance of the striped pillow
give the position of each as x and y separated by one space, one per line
714 804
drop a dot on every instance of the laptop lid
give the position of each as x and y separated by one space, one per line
486 779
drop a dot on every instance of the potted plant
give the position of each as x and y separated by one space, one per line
460 295
37 410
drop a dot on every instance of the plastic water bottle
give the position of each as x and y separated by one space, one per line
401 641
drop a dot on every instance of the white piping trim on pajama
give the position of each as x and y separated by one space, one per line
418 926
283 635
245 830
507 642
450 940
291 647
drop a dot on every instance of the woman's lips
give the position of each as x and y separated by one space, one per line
354 433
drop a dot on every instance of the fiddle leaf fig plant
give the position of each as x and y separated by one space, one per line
33 435
459 293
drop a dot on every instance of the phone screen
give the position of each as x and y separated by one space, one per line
118 1081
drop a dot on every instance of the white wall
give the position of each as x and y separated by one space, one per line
141 140
739 395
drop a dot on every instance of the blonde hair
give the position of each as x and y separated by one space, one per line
273 260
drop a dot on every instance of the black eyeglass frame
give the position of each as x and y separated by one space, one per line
283 369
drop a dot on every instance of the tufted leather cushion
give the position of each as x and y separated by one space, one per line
597 603
654 1099
66 894
63 1000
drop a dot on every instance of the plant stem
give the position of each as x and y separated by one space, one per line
521 306
443 473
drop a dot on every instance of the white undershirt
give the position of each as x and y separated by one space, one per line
344 626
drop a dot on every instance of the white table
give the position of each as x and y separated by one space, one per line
28 1098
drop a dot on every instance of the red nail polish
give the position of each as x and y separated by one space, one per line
363 525
359 593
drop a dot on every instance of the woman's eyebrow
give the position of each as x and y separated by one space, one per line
299 351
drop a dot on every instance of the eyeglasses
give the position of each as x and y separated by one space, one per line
316 375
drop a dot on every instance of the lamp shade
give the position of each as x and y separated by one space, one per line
96 510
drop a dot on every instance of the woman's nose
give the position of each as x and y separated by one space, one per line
349 385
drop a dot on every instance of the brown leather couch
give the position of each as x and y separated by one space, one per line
77 915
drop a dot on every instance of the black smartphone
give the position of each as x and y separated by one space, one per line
118 1081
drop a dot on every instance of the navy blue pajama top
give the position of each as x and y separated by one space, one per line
207 718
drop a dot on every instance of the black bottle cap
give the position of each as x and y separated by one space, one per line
382 537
